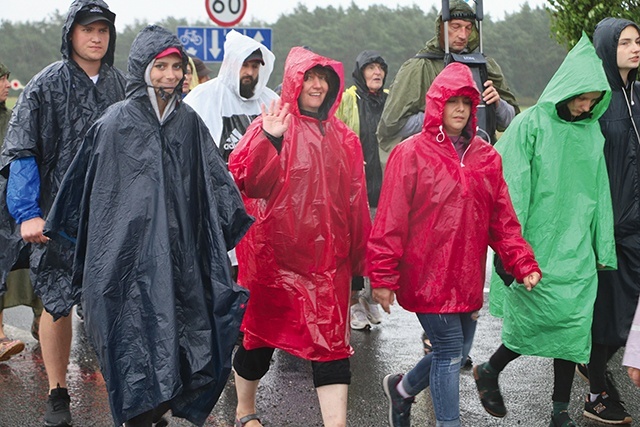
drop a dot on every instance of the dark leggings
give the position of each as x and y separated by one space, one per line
147 419
563 372
600 356
252 365
357 283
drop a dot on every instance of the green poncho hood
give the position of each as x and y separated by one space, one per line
580 72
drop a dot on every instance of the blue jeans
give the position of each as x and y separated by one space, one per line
451 337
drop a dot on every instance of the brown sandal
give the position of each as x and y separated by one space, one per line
9 347
240 422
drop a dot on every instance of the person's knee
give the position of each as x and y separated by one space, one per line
252 365
332 372
455 362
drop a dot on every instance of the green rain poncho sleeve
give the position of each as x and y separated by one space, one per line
559 187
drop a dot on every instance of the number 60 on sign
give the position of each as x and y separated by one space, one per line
226 13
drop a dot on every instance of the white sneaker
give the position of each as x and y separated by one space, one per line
374 314
359 317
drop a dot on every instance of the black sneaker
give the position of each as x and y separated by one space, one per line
612 390
489 391
58 413
562 420
606 410
399 407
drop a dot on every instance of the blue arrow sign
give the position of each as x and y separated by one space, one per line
207 43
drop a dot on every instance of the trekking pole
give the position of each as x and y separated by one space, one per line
446 16
479 17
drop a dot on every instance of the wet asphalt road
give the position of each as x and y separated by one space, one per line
286 395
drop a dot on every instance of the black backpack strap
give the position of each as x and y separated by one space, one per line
429 55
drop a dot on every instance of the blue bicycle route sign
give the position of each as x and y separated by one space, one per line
207 43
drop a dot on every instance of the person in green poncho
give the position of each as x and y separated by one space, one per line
555 169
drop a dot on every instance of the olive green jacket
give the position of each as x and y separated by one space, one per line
5 115
407 93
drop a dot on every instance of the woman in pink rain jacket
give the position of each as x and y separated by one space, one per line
443 202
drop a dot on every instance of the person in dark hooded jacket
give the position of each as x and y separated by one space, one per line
617 43
360 109
153 211
48 123
301 174
443 202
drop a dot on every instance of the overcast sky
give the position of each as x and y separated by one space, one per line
149 11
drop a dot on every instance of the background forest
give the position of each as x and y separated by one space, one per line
523 42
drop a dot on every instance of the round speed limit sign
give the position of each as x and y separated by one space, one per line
226 13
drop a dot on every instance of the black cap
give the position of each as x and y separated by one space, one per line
94 13
256 55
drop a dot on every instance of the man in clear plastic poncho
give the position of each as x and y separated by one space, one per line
229 103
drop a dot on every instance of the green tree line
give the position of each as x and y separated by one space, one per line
571 17
523 42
